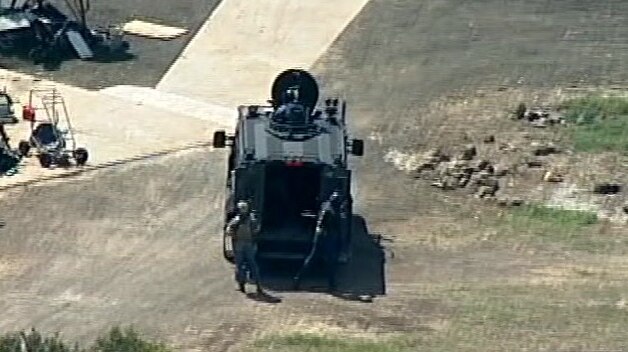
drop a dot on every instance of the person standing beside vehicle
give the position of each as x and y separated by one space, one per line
242 229
326 241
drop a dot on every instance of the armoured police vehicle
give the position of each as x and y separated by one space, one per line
286 159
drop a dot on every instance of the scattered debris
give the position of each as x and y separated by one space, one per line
482 170
479 176
553 176
544 149
501 171
507 147
534 163
488 188
431 159
607 188
512 202
469 152
539 117
153 30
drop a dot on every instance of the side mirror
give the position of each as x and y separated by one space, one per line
357 147
220 139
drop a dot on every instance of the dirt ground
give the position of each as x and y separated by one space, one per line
139 244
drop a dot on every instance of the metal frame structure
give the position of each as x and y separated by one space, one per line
57 121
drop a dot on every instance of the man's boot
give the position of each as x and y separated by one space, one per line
260 290
332 285
331 280
240 280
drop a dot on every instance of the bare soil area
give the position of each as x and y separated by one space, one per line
140 244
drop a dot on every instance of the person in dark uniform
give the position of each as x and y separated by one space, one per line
291 110
242 229
326 241
346 229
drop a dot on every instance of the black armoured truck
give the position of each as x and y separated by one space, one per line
286 159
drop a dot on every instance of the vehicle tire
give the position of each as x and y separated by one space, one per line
45 160
80 156
227 249
23 148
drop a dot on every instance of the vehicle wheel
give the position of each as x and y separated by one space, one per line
80 156
227 248
45 160
23 148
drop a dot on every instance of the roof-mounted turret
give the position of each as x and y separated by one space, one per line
294 96
293 126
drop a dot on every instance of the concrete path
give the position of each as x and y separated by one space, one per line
110 128
237 53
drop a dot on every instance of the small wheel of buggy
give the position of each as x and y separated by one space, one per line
227 249
80 156
23 148
45 160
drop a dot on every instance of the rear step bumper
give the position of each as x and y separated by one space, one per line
283 250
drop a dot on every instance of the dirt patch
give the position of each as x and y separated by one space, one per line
482 134
11 267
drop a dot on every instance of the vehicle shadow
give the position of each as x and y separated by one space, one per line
361 279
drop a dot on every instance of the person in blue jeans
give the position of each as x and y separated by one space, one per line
326 241
242 229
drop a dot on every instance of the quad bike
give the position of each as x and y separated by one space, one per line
52 137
